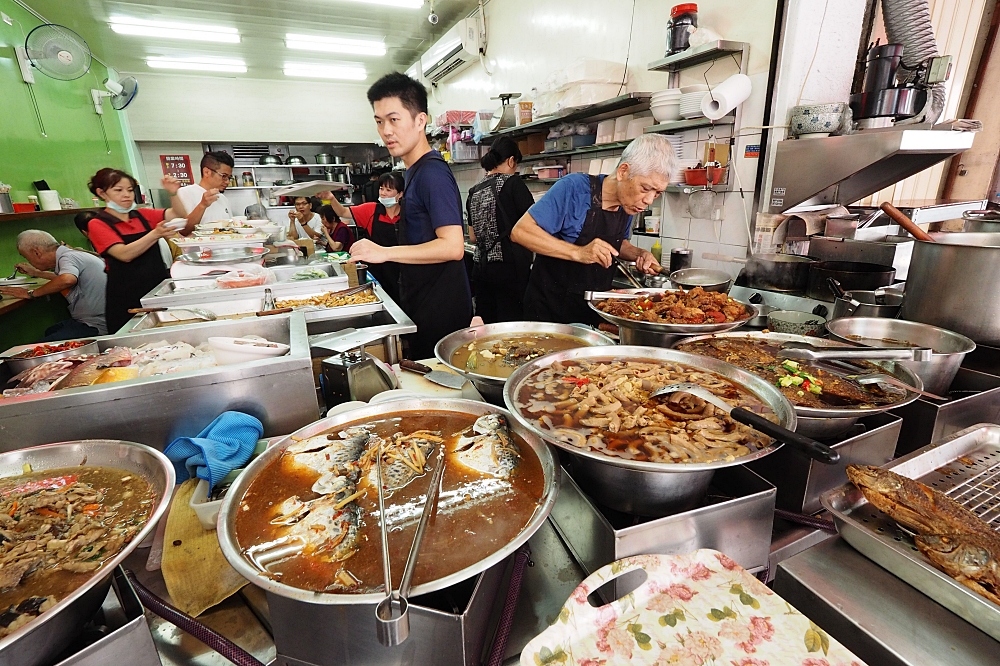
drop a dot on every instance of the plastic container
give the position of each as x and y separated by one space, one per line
248 348
700 176
250 276
683 21
24 207
657 250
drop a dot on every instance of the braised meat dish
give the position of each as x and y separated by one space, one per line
677 307
604 406
803 384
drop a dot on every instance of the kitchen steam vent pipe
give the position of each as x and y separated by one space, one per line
908 22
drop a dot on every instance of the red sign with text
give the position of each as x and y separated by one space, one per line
178 166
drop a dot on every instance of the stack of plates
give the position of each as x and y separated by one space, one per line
665 105
690 106
677 141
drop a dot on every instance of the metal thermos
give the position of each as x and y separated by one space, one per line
680 258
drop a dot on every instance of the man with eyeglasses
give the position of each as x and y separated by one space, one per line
207 196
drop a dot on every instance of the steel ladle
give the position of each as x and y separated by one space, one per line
810 447
392 613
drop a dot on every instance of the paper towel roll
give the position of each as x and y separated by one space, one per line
726 96
49 199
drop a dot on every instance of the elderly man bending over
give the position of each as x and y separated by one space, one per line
77 274
584 222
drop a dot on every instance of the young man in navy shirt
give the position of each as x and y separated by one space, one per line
433 285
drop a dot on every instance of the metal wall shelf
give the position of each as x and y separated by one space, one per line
697 56
684 125
616 106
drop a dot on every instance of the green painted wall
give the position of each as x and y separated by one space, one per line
74 148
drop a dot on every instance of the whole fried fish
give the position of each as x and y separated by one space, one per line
914 505
971 559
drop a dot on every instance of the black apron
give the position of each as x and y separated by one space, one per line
435 296
129 281
556 286
386 235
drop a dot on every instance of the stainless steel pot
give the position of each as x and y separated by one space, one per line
982 221
270 160
18 365
833 421
653 334
706 278
878 303
492 387
640 487
39 641
949 348
296 160
852 275
778 272
952 284
227 514
324 158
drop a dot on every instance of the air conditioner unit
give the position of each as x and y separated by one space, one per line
456 49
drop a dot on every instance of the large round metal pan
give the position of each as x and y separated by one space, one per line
226 530
18 365
39 641
671 329
766 393
492 387
816 422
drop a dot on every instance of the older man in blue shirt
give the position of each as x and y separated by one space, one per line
584 222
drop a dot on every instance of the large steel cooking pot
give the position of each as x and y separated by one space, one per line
982 221
852 275
778 272
654 334
39 641
227 514
491 388
640 487
833 421
949 349
952 284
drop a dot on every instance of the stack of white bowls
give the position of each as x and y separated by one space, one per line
665 105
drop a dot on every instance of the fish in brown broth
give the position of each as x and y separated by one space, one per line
489 450
404 458
971 559
914 505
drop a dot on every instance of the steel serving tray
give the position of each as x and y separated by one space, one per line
227 528
966 467
766 393
669 329
40 640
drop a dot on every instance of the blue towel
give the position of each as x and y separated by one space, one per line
227 443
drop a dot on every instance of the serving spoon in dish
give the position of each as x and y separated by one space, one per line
810 447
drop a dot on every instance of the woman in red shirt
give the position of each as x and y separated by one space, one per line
127 239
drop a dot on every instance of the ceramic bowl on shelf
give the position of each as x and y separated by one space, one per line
820 118
797 323
665 113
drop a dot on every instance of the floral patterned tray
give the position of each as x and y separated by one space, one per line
699 609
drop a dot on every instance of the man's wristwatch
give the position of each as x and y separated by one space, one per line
31 294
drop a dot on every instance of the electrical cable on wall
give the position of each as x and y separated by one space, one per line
809 69
485 38
628 49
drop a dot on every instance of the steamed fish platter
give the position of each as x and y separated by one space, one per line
115 364
500 355
310 519
677 307
603 405
58 527
950 536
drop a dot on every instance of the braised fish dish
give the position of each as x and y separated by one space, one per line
603 405
804 385
57 528
310 519
696 306
500 355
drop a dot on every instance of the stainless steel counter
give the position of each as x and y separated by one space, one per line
877 616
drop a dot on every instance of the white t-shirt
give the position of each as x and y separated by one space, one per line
315 223
191 195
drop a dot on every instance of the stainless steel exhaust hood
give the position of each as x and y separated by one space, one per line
844 169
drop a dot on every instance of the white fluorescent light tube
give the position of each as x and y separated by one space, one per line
203 64
369 47
126 25
403 4
346 72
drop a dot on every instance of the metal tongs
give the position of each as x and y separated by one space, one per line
621 295
627 273
392 613
803 351
848 371
810 447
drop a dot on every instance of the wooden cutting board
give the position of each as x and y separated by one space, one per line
195 571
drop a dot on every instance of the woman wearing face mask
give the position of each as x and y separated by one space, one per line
128 239
377 221
495 204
